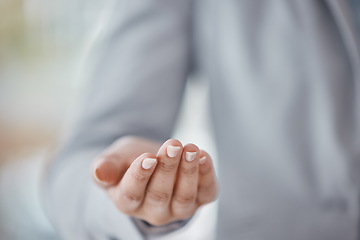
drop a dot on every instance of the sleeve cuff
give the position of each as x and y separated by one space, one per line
150 230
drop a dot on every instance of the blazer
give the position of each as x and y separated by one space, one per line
284 97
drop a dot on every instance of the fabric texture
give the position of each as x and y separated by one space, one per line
285 102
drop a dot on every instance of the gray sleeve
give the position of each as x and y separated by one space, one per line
135 87
150 230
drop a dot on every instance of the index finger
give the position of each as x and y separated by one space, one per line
129 193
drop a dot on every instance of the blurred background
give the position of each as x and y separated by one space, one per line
42 44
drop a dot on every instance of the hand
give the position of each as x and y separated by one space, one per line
153 182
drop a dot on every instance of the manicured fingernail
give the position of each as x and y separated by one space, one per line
202 160
190 156
172 151
147 163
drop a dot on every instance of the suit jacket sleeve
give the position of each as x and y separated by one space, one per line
135 85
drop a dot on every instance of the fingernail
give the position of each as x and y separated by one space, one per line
147 163
190 156
97 175
202 160
172 151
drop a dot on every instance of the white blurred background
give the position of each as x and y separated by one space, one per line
41 47
41 43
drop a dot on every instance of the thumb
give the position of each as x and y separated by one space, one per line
108 170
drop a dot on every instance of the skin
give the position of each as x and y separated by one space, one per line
172 189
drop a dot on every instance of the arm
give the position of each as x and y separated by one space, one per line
135 88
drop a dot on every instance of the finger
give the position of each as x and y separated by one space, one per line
130 192
186 186
111 165
160 188
207 186
107 170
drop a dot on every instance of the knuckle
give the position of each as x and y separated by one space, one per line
132 197
128 202
158 196
184 199
139 177
189 170
129 196
168 167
